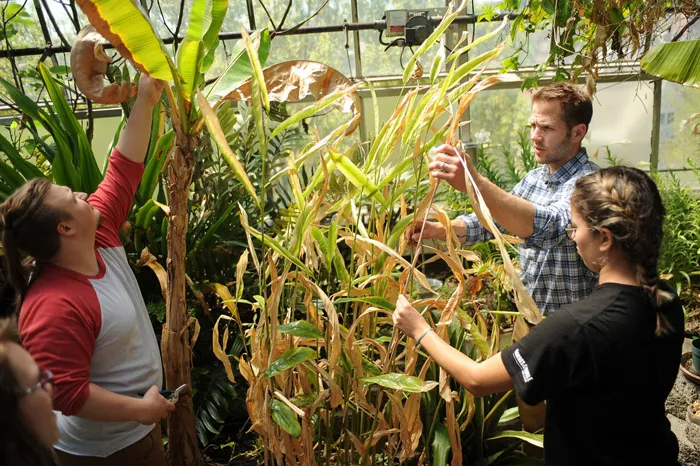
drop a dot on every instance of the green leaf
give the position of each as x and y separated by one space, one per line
305 400
494 416
145 214
468 67
258 76
396 381
231 159
83 158
301 328
126 26
306 112
533 439
285 418
62 168
277 247
208 422
675 61
509 414
191 52
436 34
375 301
479 40
289 359
441 445
24 167
154 166
479 339
218 14
356 176
239 69
211 231
10 176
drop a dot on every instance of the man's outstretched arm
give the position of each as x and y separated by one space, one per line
511 212
133 141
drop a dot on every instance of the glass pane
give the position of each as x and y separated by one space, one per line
378 60
675 25
677 143
326 48
335 12
369 10
500 116
622 123
533 49
22 27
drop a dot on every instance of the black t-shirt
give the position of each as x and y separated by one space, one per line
605 376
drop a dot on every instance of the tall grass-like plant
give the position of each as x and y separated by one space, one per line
331 381
680 253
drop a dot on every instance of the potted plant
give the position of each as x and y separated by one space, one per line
695 350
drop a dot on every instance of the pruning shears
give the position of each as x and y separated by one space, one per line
171 395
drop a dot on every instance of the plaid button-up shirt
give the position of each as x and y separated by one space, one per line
552 270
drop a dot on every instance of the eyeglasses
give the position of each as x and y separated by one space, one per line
571 230
45 383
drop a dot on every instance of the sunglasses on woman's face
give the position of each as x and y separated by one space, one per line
45 383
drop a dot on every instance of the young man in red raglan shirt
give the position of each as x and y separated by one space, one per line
82 316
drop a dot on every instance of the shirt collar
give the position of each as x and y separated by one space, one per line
569 169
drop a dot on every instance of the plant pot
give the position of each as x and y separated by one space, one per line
695 348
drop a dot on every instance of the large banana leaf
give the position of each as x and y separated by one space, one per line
211 38
191 53
676 61
240 69
126 26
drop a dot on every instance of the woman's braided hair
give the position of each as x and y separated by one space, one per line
627 202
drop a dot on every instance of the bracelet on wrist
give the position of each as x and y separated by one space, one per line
425 332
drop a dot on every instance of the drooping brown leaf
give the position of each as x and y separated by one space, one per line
149 260
222 355
88 62
454 433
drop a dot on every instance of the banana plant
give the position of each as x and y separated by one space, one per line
675 61
126 26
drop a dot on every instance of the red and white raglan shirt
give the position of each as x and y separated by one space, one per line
95 329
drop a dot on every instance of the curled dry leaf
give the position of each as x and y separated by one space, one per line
292 81
88 62
149 260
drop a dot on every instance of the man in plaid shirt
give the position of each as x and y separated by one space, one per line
538 208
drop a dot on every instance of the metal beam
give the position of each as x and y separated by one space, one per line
375 25
82 114
388 86
391 86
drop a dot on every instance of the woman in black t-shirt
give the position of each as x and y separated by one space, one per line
605 364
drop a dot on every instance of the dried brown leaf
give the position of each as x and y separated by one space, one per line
89 63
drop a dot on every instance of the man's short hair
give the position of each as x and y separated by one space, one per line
576 105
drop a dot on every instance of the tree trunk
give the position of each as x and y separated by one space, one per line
183 449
